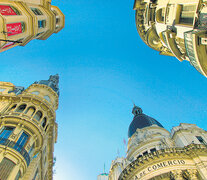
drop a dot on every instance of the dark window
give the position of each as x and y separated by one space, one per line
152 150
6 132
21 108
201 140
145 153
13 107
41 23
36 11
46 128
44 122
6 167
139 156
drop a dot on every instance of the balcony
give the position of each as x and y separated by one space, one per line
17 147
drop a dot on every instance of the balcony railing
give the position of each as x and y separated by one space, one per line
17 147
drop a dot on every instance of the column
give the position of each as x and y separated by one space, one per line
177 174
192 173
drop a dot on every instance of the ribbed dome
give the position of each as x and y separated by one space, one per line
140 121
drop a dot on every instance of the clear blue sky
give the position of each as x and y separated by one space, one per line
103 64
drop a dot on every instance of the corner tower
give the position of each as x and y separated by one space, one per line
28 129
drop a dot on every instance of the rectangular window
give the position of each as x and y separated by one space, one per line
6 166
41 23
187 14
36 11
6 132
21 141
201 140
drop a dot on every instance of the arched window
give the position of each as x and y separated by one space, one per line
30 111
12 108
46 128
21 108
44 122
38 115
47 98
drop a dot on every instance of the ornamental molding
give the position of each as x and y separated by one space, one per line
30 99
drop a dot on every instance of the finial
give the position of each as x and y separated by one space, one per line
136 110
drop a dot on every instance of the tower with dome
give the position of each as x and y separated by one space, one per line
155 153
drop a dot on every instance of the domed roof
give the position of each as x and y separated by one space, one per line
140 121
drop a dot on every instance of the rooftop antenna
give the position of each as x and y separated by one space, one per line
104 168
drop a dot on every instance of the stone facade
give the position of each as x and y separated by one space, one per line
154 153
175 28
24 20
28 130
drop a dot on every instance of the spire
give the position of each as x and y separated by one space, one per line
52 82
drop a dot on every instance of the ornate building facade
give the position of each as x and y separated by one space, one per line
175 28
28 130
154 153
24 20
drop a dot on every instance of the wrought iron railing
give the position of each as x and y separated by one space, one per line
17 147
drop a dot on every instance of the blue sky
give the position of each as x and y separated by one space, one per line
103 66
